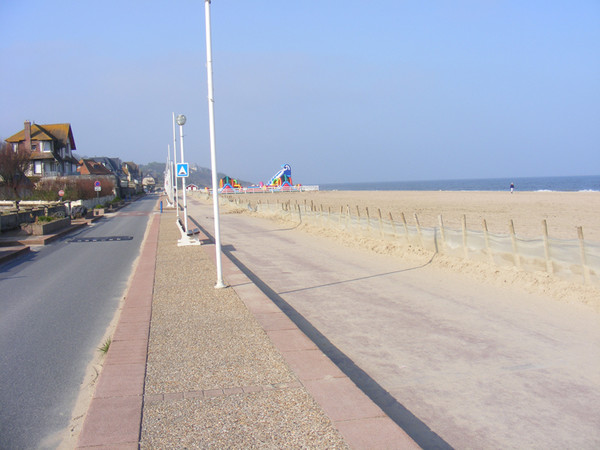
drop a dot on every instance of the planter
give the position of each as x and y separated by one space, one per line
98 211
40 229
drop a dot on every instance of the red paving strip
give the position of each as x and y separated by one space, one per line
114 417
361 422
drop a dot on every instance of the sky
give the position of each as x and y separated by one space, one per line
343 91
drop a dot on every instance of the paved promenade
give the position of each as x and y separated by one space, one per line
191 366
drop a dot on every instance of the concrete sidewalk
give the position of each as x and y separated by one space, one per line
193 366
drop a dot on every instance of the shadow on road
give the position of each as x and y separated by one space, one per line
412 425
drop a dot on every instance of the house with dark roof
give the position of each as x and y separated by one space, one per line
134 176
127 174
91 167
112 164
51 148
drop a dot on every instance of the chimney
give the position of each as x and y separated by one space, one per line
28 135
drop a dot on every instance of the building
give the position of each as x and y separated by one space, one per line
134 177
51 148
149 183
91 167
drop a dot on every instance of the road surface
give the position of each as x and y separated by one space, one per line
55 305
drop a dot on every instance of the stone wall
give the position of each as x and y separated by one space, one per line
12 219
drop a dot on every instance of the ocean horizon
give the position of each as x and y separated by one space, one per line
590 183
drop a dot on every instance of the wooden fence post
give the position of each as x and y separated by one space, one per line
368 220
486 236
380 222
405 227
419 231
393 226
549 267
513 238
348 215
358 216
586 269
442 233
464 236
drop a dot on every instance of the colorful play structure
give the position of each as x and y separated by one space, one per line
280 182
227 183
282 178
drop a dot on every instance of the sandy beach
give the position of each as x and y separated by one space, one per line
563 211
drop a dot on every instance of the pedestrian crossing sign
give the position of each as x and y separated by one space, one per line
182 170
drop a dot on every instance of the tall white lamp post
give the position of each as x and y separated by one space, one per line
181 121
169 178
213 156
175 199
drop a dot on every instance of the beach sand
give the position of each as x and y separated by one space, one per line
563 211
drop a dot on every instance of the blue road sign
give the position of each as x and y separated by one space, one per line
182 170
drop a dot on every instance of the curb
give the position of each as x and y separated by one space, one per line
10 253
114 417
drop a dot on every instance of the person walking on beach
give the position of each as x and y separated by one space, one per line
512 187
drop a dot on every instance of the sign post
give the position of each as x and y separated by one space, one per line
97 188
182 168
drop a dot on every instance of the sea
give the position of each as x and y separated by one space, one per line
589 183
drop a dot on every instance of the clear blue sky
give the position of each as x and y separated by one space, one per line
341 90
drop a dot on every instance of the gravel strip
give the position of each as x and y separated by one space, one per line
213 377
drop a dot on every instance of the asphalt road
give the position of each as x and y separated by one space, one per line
455 362
55 305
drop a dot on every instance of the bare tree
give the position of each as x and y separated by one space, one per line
13 165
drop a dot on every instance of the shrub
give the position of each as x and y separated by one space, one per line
75 188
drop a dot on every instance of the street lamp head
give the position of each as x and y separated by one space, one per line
181 119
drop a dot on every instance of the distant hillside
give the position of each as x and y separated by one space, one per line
200 176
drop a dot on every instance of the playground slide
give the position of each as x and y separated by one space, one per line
285 170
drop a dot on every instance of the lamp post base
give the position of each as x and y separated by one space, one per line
186 239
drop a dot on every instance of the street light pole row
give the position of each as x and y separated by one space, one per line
213 155
176 200
181 119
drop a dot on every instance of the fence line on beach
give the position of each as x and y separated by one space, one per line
571 259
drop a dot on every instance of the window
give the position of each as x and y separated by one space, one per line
47 146
37 167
